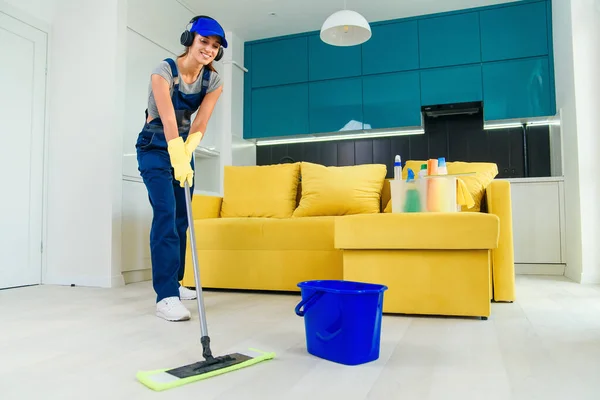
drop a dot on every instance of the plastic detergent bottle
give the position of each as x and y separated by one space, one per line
413 199
442 169
423 171
397 168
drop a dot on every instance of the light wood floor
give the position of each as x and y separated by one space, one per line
82 343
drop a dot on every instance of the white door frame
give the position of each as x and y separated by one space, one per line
43 27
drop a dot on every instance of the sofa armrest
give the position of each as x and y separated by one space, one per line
498 198
204 206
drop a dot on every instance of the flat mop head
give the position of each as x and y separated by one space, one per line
170 378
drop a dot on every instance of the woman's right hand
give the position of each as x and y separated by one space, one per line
180 161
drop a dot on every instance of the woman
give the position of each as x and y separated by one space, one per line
165 149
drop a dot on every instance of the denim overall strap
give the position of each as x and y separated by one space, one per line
186 104
205 83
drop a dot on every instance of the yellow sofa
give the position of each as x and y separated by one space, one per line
270 232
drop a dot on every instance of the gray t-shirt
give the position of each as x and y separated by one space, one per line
164 69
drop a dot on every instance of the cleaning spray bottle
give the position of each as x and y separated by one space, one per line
413 200
423 171
442 168
397 168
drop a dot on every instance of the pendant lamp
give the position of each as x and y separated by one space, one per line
345 28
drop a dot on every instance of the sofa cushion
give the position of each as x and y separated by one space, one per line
418 231
312 233
338 191
260 191
476 184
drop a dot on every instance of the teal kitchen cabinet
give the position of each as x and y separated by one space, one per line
514 32
280 110
327 62
392 47
279 62
335 105
391 100
517 89
449 40
451 85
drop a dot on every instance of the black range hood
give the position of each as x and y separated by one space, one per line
439 110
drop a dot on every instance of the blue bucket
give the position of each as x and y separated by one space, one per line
342 320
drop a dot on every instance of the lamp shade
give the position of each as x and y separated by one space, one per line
345 28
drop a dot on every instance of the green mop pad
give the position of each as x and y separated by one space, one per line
164 379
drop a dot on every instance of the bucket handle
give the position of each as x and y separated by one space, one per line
307 303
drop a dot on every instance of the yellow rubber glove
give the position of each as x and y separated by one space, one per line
193 140
180 161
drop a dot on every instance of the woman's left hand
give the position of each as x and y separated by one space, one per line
192 141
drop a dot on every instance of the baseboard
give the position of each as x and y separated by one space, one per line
117 281
590 278
540 269
84 281
135 276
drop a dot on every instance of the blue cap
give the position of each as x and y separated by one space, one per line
410 175
441 161
209 27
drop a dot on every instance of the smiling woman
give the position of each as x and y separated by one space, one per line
165 147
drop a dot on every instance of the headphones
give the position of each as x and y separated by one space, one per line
187 37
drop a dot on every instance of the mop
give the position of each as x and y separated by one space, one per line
211 366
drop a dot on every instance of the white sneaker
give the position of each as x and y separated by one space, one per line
186 294
172 309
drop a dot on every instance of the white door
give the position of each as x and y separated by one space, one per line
22 108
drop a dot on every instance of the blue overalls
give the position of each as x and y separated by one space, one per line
168 233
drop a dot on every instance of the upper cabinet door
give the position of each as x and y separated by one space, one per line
449 40
328 62
514 32
391 100
392 47
451 85
335 105
280 110
516 89
279 62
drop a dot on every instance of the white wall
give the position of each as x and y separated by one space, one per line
576 29
236 151
41 10
585 24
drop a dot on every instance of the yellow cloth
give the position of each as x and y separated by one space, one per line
463 196
260 191
339 191
180 161
476 184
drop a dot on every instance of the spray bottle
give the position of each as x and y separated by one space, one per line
423 171
413 201
442 168
397 168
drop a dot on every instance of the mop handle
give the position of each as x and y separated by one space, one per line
200 299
